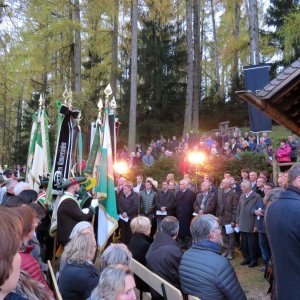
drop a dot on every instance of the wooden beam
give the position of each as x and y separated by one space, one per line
269 110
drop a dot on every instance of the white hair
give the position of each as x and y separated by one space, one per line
20 187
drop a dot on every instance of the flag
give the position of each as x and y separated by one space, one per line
41 164
256 77
108 216
95 144
31 144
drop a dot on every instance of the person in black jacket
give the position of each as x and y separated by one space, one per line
128 208
139 245
165 204
185 199
203 271
282 219
164 255
79 277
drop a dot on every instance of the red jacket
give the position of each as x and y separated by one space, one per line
283 154
31 266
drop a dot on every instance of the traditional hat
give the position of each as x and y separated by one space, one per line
44 181
72 181
90 183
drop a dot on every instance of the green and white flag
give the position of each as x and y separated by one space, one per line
108 216
31 144
41 164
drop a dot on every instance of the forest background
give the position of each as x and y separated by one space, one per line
174 65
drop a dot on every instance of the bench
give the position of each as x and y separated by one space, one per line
160 285
53 283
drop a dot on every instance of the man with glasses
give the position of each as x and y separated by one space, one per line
203 271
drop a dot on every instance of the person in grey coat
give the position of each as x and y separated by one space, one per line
245 220
203 271
226 212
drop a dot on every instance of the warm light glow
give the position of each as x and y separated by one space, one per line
196 157
121 167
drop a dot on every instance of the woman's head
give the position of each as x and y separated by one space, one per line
10 261
116 283
81 248
140 224
82 226
116 254
28 219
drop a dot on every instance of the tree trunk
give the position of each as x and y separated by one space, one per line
133 78
77 50
114 59
253 28
197 66
215 47
236 33
189 88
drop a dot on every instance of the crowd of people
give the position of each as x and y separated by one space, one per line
215 145
187 237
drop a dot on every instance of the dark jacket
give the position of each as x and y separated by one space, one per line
206 274
259 221
77 281
226 207
129 204
210 204
294 148
166 199
283 229
163 258
14 296
139 245
68 215
244 215
184 211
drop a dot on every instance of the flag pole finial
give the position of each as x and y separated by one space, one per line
41 102
67 95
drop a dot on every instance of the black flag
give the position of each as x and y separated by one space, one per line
256 78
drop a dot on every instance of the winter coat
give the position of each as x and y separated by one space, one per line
283 154
210 205
31 266
282 220
244 215
184 211
163 258
129 204
206 274
139 245
77 280
226 207
166 199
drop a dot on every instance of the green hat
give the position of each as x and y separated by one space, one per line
72 181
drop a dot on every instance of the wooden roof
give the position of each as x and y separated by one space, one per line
280 98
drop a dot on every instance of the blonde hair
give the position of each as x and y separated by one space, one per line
140 224
111 283
80 249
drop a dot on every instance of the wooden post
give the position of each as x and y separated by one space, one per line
274 166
